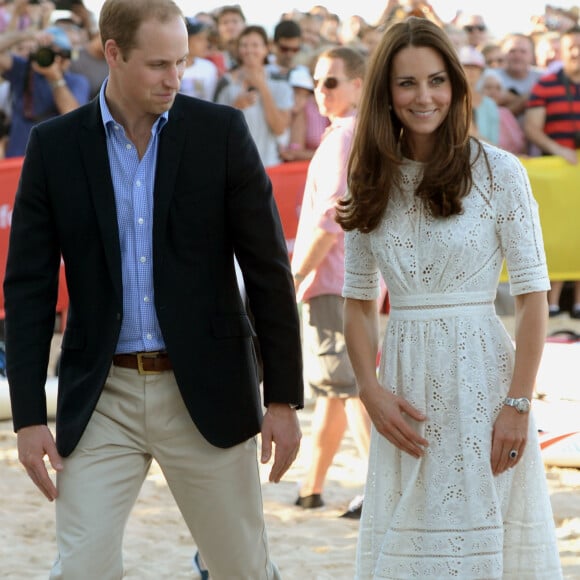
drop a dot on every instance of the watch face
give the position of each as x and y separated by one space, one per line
522 405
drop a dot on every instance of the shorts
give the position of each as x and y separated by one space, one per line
327 368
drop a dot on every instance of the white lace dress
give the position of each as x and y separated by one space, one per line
445 350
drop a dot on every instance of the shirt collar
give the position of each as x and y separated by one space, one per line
109 122
346 120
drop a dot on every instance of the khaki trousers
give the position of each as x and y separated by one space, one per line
218 491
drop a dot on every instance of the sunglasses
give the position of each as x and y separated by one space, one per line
293 49
470 28
329 83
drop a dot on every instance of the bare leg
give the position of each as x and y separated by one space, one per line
575 312
554 294
328 427
359 424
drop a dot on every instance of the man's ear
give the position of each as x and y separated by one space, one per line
112 53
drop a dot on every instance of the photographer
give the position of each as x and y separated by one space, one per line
41 85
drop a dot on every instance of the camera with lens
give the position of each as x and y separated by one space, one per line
45 55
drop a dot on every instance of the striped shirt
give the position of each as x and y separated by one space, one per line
133 182
562 107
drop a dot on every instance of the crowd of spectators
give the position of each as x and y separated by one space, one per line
525 87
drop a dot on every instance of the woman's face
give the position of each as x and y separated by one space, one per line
494 58
473 74
252 50
421 96
491 87
230 25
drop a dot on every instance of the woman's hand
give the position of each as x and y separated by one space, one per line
246 98
387 412
510 433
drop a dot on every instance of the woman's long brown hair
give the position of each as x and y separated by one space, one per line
375 160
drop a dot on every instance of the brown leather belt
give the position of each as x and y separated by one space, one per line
147 363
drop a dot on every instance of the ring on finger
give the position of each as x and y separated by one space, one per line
513 454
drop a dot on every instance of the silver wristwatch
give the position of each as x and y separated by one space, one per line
521 405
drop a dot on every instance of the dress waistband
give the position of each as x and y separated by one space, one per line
432 306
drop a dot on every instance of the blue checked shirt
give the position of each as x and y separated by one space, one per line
133 181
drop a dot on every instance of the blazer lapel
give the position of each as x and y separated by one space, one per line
96 164
169 156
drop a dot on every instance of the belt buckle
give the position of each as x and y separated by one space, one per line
143 355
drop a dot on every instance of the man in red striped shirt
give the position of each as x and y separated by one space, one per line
552 119
552 122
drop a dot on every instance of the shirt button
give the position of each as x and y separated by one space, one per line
142 259
138 183
146 299
149 336
140 221
129 146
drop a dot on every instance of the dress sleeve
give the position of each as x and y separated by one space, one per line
361 276
520 233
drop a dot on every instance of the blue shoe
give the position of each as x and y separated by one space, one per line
199 567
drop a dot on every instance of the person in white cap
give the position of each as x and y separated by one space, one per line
485 122
307 124
200 77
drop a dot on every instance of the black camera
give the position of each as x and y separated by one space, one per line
45 55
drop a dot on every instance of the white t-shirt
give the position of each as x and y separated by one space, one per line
200 79
266 141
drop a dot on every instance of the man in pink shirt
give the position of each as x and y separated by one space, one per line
318 266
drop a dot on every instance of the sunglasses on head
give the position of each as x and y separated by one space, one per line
293 49
329 83
471 28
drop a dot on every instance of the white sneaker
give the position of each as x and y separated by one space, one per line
354 508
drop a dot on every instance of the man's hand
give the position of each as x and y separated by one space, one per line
567 154
34 443
281 427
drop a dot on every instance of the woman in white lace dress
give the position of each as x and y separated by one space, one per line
456 486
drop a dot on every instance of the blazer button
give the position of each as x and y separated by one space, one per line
118 316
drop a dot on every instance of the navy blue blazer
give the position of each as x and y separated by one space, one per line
212 198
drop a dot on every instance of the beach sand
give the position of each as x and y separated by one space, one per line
305 544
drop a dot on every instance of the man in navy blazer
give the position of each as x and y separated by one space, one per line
147 195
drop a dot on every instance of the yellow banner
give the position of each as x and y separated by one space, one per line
556 187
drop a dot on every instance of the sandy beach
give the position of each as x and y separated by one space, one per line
306 545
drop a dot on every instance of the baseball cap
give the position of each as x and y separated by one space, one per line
300 77
59 37
195 26
469 56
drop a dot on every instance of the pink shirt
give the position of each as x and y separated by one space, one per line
325 185
316 124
